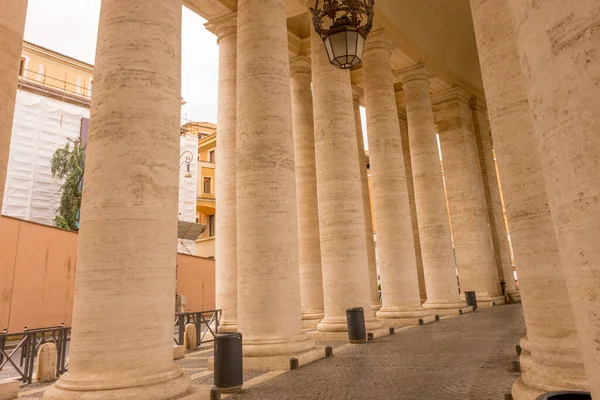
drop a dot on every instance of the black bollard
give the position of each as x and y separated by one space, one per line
294 363
566 395
519 350
392 331
229 369
328 351
357 332
215 393
471 299
370 336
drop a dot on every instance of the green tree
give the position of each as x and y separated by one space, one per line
68 165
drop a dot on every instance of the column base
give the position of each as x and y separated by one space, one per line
444 304
174 384
537 379
270 347
382 331
339 324
228 327
277 363
311 319
485 300
375 306
402 312
514 295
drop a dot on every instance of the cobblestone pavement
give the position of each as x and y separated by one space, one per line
459 358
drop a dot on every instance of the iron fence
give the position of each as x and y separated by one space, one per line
206 323
20 349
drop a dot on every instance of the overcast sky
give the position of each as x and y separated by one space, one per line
71 27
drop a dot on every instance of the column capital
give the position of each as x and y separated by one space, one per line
300 65
358 94
381 40
413 73
454 93
478 104
223 27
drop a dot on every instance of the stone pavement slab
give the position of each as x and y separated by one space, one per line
468 357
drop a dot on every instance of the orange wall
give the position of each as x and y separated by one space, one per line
37 276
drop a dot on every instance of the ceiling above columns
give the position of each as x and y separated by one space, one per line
436 33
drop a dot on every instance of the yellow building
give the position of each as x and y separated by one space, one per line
63 77
205 205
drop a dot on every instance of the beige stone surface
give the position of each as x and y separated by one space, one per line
411 200
343 245
493 197
311 281
466 196
269 310
357 94
189 338
12 26
126 280
45 369
225 182
395 244
560 52
9 389
434 228
556 361
178 352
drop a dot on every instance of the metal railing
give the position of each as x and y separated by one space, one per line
58 84
20 349
206 323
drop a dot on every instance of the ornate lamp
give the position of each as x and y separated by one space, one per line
344 26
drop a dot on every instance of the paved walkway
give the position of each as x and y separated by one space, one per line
460 358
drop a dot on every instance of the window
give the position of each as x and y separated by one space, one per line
211 225
22 67
207 185
211 156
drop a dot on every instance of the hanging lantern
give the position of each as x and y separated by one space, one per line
344 26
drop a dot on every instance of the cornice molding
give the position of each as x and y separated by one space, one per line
452 94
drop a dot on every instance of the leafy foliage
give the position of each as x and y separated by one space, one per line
68 165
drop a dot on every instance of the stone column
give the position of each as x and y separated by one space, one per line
466 196
366 199
411 200
559 43
395 244
339 189
267 221
311 280
226 240
493 196
128 238
12 26
434 227
554 360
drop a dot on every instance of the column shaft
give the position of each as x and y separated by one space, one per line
493 197
466 197
366 199
311 280
434 227
413 206
554 361
395 244
12 26
559 45
128 238
343 248
267 221
225 183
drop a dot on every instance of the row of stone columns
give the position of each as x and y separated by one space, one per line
544 128
540 69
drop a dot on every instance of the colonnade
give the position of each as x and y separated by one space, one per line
294 243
